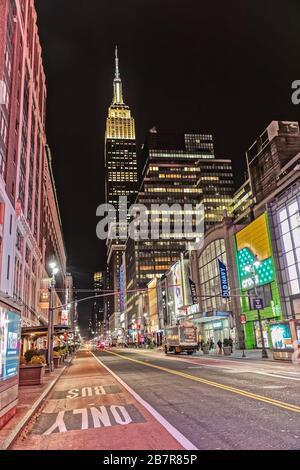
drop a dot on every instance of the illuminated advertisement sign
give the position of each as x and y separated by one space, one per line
253 243
281 336
10 327
176 270
122 297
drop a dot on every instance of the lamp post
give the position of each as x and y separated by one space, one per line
54 271
250 268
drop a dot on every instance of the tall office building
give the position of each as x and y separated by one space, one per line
179 169
121 176
96 319
271 151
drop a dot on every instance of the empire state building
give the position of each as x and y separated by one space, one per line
121 179
121 176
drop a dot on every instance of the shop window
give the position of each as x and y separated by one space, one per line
294 285
296 237
285 228
293 208
283 215
287 242
290 258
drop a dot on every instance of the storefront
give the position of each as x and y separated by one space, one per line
285 224
215 329
217 321
36 337
10 328
257 278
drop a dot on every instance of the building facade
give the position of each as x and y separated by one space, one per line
284 213
254 242
181 171
242 202
271 151
218 308
31 233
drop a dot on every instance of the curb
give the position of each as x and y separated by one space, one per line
24 421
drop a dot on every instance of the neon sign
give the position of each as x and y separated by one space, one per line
264 273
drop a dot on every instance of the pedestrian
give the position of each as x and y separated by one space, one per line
220 344
231 344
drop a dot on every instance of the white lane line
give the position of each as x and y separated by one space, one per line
275 375
186 444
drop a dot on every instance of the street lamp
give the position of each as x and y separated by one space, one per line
251 268
54 271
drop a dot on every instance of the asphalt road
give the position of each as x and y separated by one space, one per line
216 404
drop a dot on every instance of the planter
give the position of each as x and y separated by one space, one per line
31 374
56 361
227 350
205 349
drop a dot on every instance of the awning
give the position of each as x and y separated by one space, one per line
208 319
43 330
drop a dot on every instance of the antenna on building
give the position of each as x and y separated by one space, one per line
117 72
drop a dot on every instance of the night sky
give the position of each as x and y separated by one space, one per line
186 65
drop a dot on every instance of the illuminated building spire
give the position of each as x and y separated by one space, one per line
117 73
118 93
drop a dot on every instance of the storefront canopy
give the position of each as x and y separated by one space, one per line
210 319
43 330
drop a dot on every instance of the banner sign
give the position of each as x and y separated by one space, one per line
224 280
193 291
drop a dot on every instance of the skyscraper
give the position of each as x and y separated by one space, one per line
271 151
179 169
121 175
120 147
97 312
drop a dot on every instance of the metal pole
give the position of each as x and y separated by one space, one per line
264 353
51 327
244 355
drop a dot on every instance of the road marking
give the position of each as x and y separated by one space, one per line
186 444
254 396
82 419
95 391
275 375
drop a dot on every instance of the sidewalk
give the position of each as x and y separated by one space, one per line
251 354
30 399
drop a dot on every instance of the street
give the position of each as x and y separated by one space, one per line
198 402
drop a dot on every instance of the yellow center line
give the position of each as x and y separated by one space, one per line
254 396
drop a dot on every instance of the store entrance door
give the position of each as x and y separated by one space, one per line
218 335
